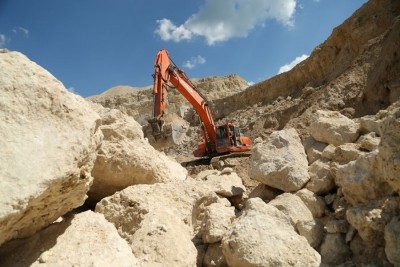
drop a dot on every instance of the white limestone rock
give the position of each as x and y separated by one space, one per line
321 177
331 127
153 217
84 239
264 236
280 162
369 141
313 149
217 222
225 183
313 202
48 140
361 181
125 158
347 152
313 231
292 206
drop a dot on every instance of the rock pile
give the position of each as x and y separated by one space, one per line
324 175
351 194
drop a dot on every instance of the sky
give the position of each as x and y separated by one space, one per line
93 45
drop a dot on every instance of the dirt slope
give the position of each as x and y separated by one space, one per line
354 71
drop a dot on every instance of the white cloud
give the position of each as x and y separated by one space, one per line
194 61
22 30
251 83
3 40
221 20
291 65
169 32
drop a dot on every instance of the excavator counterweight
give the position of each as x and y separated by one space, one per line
216 139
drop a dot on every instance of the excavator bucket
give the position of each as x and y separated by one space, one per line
163 134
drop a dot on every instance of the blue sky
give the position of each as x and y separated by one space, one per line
93 45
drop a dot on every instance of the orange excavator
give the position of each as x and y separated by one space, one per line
216 140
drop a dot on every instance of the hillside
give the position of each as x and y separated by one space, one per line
355 71
137 102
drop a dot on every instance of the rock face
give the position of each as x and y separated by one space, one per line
125 158
281 162
72 242
264 236
48 140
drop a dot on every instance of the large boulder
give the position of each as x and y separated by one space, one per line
332 127
48 140
84 239
361 180
264 236
280 162
292 206
125 158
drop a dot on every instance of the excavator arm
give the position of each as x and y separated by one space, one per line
165 71
216 139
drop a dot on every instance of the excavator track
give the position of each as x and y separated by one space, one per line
215 159
230 155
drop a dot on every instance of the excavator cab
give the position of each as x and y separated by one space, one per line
229 139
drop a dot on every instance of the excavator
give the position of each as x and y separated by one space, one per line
217 140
